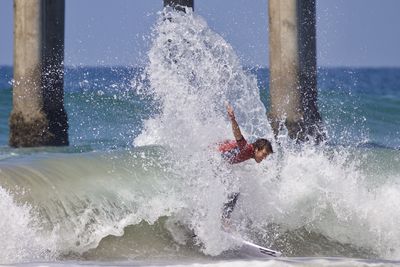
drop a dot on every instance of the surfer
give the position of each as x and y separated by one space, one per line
238 150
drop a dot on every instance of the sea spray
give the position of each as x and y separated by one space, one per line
192 72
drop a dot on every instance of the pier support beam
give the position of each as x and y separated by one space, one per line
38 117
293 68
178 4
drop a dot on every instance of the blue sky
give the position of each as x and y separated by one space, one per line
103 32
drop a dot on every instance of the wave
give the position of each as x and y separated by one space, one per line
307 202
79 199
163 197
192 71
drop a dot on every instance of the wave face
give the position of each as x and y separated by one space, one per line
162 198
77 200
145 204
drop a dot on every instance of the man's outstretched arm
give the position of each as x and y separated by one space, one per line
235 126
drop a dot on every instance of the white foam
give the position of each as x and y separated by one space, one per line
193 71
21 232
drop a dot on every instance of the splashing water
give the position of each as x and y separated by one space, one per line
21 234
193 71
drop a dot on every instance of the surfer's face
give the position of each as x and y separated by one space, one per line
260 155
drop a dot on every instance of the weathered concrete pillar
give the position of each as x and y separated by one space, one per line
293 68
38 117
178 4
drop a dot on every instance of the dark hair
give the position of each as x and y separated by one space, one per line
262 143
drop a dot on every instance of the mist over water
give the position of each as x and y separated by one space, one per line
162 197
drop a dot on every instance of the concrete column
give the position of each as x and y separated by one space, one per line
293 70
38 117
177 4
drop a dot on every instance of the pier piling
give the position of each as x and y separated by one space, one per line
293 68
179 4
38 117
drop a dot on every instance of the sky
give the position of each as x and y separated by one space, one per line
350 33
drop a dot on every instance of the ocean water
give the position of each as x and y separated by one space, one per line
141 183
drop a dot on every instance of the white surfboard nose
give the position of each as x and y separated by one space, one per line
251 249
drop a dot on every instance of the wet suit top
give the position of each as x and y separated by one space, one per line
236 151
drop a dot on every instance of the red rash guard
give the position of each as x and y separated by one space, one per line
236 151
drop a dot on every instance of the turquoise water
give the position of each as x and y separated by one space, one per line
141 185
104 112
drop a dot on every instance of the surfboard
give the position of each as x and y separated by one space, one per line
251 249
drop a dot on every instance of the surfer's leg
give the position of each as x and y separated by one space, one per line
230 205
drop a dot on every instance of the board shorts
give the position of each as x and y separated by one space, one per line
230 205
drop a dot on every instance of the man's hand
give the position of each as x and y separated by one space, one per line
235 126
229 109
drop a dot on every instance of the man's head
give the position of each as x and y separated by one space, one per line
262 148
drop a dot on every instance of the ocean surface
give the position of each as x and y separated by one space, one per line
141 183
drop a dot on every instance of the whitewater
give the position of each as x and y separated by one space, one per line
158 200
